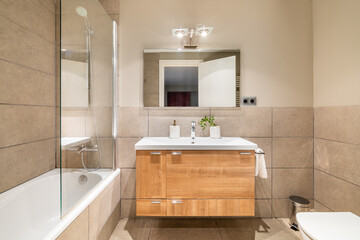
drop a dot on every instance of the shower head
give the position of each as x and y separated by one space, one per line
81 11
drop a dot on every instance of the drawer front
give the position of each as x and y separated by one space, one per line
150 207
211 174
177 207
232 207
150 174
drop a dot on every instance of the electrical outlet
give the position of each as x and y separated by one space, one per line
248 101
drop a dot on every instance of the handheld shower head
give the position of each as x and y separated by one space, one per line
81 11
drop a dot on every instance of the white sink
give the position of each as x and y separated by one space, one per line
201 143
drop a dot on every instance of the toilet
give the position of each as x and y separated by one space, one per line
329 225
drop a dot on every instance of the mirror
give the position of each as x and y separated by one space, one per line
191 78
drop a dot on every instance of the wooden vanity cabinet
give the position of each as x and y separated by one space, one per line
195 183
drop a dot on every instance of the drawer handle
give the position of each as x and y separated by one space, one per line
176 201
245 153
155 153
155 201
176 153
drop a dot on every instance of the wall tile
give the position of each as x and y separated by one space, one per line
338 159
106 146
280 208
17 163
287 182
338 123
101 117
73 122
266 145
21 85
78 229
336 194
263 186
102 207
293 152
111 6
110 224
126 154
22 12
263 208
319 207
243 122
50 4
20 46
132 229
22 124
161 118
128 208
293 122
133 122
128 177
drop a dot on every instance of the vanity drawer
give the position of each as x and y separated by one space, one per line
210 174
150 207
187 207
231 207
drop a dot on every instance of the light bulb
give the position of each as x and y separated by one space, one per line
179 34
204 32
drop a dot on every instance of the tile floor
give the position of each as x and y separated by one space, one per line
203 229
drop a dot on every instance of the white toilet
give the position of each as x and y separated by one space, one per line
329 225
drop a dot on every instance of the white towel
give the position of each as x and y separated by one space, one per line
260 166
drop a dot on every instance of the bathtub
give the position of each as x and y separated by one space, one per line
32 209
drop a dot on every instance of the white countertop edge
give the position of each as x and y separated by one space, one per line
195 147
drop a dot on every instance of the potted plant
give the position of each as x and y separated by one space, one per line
214 129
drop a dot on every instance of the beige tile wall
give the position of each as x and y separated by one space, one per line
336 158
289 152
27 90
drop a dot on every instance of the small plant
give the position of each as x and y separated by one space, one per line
205 121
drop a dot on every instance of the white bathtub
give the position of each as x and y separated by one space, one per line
32 210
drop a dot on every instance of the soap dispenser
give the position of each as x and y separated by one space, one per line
174 130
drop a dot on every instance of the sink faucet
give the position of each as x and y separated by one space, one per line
193 124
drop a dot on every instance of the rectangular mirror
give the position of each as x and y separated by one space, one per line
191 78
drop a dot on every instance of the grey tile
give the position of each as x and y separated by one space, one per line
133 122
293 152
23 162
293 122
263 186
126 154
22 12
128 208
243 122
338 159
287 182
128 177
21 85
20 46
336 194
266 145
132 229
253 229
161 118
263 208
197 229
22 124
280 208
338 123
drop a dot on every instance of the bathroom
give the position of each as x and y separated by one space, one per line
76 96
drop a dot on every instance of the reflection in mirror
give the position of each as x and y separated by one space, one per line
74 78
191 78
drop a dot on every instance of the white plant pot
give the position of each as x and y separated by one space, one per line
215 132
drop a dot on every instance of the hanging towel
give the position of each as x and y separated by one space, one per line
260 166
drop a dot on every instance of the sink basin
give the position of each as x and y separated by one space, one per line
201 143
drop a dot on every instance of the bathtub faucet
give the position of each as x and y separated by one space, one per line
84 148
